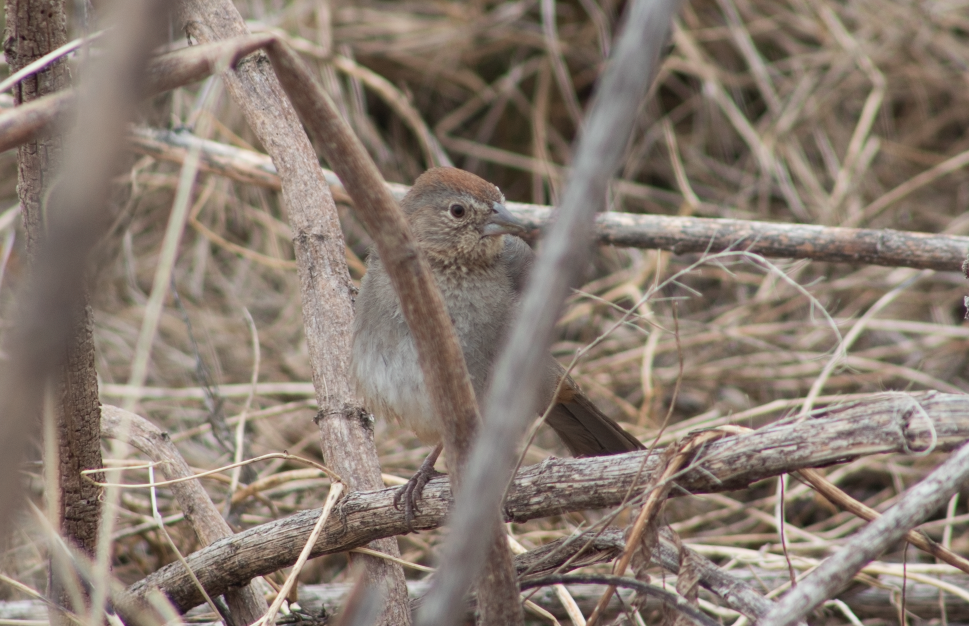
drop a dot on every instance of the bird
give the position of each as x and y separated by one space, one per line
469 238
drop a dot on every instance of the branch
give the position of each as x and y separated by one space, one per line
77 217
836 572
246 602
921 598
162 73
917 539
513 393
887 423
439 353
441 359
681 235
324 280
668 598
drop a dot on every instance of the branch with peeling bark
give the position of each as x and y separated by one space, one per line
888 423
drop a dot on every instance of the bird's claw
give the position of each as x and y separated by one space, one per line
411 492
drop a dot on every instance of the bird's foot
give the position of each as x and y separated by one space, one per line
410 493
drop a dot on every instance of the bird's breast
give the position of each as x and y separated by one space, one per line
384 363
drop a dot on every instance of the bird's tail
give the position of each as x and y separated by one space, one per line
585 430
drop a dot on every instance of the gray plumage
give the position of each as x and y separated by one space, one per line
461 225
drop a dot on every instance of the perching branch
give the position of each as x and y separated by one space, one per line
888 423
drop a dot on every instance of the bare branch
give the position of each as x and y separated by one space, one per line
883 424
77 218
246 603
439 353
325 285
837 571
666 597
680 235
163 73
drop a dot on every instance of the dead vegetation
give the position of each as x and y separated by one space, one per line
803 111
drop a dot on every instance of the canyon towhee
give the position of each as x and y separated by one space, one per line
463 228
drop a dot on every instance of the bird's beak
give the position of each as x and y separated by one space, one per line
502 222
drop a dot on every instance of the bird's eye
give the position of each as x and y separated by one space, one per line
458 210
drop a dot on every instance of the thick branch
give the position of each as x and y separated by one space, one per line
324 280
34 29
681 235
883 424
51 306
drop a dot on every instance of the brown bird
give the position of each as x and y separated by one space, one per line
463 228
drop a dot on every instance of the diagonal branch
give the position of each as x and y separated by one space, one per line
198 507
513 394
836 572
324 280
439 353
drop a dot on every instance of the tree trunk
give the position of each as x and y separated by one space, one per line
34 28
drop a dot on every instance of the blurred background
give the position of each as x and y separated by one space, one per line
799 111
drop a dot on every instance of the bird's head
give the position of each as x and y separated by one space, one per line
458 218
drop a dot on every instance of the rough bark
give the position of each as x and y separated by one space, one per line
347 436
35 28
896 423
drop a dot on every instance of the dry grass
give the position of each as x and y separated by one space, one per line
802 111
